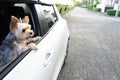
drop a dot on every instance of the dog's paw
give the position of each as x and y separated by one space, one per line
33 46
37 38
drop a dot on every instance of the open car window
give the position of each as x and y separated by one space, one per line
8 60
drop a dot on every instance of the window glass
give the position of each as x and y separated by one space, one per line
49 14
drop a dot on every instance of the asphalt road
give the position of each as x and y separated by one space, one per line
94 51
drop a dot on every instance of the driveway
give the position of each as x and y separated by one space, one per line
94 51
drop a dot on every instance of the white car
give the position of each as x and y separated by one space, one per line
46 62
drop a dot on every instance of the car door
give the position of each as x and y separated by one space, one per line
45 62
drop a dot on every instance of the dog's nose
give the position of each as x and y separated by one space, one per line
31 33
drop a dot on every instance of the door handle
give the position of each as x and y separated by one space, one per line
48 58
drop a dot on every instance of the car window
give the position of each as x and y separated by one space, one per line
19 11
46 16
49 14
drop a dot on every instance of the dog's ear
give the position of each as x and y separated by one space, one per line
13 23
25 19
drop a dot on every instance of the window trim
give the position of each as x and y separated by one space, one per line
35 19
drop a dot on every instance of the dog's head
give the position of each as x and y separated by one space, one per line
21 28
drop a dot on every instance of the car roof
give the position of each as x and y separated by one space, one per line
26 1
20 1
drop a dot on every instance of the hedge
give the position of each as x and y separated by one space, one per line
119 13
97 9
111 12
59 7
63 8
91 6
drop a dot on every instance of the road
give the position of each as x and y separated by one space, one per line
94 51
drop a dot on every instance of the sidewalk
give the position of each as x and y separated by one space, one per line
105 14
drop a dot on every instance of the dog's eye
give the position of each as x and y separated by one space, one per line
23 30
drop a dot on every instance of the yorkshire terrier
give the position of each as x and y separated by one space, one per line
18 40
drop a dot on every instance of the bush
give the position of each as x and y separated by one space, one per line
60 7
111 12
119 13
63 8
91 6
97 9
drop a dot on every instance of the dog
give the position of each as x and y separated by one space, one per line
18 40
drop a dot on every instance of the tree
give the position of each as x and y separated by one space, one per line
85 2
75 2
